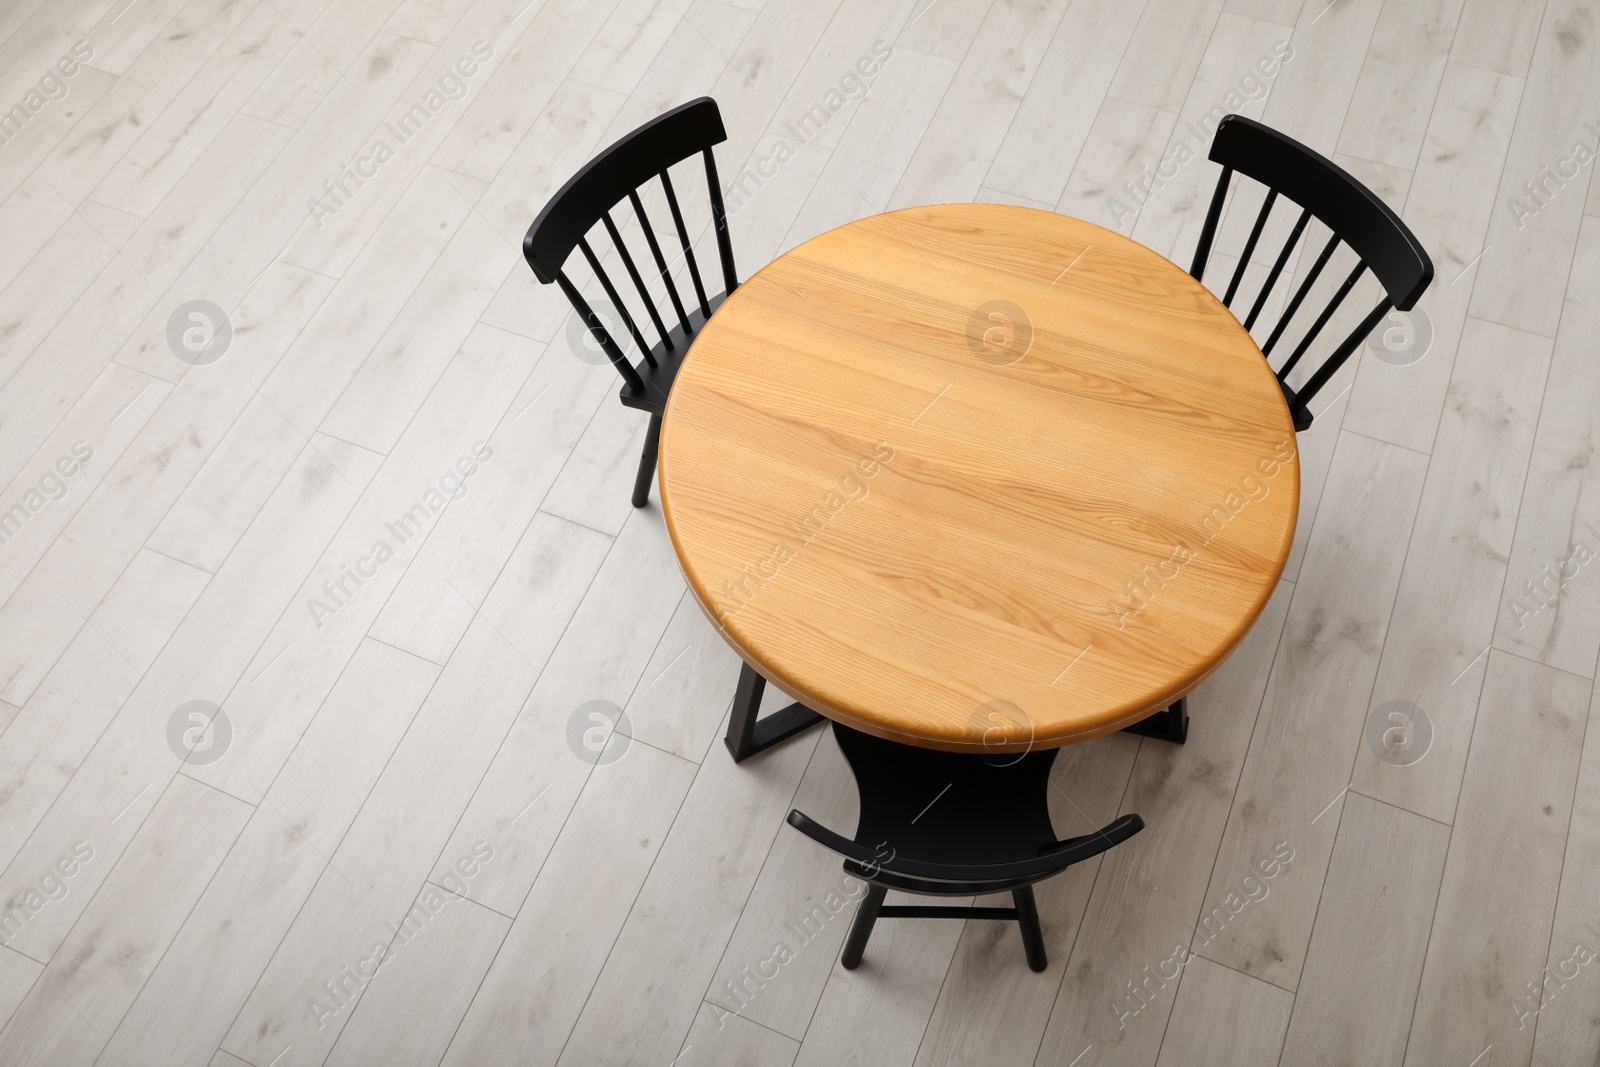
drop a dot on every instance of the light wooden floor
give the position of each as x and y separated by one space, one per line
409 739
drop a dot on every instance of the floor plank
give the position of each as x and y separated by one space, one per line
1562 1004
1314 705
1536 241
1449 206
1359 987
1444 613
1224 1017
184 1010
1147 896
124 931
1538 617
373 879
972 120
1491 931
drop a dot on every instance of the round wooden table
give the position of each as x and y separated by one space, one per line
976 477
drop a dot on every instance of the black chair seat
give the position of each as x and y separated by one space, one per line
951 824
990 809
659 371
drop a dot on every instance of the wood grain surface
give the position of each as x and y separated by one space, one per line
979 476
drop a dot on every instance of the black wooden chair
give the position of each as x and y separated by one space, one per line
950 824
1349 209
588 198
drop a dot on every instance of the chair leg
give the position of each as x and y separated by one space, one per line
861 929
647 464
1028 921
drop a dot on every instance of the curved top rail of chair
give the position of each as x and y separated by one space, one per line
1057 857
605 180
1332 195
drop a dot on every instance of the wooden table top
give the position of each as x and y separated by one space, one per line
979 477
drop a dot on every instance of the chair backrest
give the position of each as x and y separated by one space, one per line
616 174
1354 214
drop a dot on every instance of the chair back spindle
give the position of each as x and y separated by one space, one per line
661 262
683 238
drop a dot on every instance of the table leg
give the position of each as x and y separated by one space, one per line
748 735
1170 725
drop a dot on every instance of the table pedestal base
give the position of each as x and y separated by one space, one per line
747 734
1170 725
